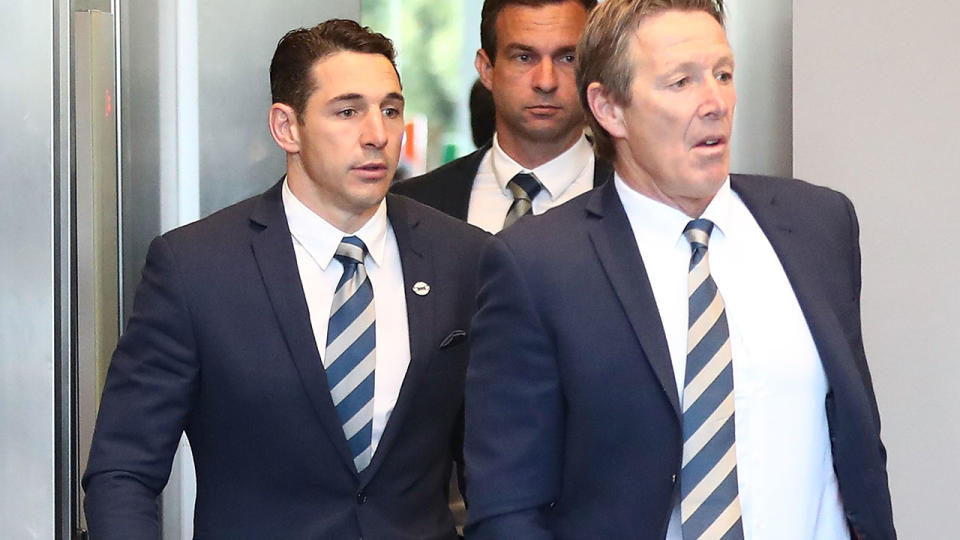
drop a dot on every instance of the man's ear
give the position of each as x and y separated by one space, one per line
284 127
484 68
608 113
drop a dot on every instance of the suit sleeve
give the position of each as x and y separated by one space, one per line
514 407
146 400
857 331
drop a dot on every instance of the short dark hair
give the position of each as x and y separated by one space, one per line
483 113
291 78
604 52
491 10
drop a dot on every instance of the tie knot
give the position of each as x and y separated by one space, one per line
524 186
351 250
698 233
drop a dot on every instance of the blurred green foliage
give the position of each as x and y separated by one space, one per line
428 36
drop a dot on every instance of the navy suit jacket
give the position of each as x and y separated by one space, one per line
447 188
573 420
220 345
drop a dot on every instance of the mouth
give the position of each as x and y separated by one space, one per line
373 170
543 109
712 142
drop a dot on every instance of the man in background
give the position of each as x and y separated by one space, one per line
310 341
539 157
685 361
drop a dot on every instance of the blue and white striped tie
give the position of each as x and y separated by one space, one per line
710 503
350 356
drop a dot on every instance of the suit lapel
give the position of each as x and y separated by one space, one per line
416 266
619 255
788 238
273 251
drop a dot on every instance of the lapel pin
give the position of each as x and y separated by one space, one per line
421 288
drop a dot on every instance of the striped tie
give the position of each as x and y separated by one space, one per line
710 505
351 350
524 188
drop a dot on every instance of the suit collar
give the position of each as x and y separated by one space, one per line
321 239
556 175
274 255
602 171
617 251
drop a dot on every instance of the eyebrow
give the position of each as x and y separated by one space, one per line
527 48
683 66
396 96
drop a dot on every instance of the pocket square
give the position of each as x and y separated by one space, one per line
455 337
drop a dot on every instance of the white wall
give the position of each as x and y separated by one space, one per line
877 115
760 36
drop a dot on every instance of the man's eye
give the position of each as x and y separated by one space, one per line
568 58
523 58
347 113
391 112
680 83
724 76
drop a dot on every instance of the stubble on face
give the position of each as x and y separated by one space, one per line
349 138
538 113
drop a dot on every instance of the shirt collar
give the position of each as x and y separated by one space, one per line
658 220
720 209
321 239
556 175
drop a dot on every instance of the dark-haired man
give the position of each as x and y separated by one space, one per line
309 341
538 157
686 360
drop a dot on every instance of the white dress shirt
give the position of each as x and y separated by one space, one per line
563 178
315 242
788 489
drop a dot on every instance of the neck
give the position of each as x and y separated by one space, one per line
642 182
532 154
346 219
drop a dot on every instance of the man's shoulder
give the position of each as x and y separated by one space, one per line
782 188
461 170
405 210
820 211
230 224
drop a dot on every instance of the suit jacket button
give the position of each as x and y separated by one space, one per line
674 479
361 497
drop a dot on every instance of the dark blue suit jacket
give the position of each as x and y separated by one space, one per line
573 418
220 345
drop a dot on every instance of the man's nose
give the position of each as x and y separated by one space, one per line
545 77
374 131
714 98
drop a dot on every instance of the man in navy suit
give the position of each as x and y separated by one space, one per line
686 360
526 61
310 341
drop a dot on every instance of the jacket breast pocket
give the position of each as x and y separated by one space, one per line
453 339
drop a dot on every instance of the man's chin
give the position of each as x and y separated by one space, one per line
550 132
